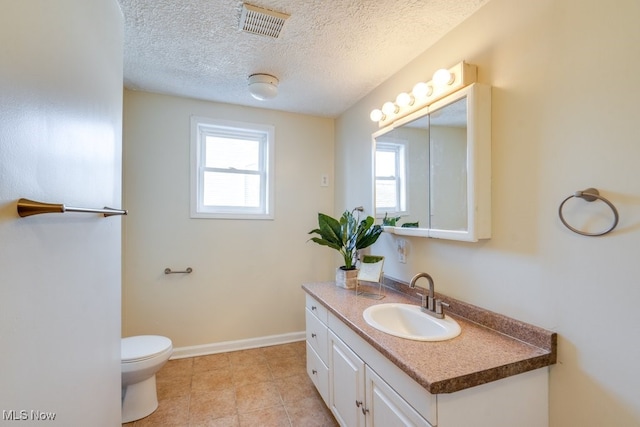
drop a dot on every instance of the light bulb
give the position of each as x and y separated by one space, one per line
443 77
389 108
422 90
376 115
404 99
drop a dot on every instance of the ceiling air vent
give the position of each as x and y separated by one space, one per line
261 21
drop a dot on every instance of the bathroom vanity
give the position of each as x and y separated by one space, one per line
495 373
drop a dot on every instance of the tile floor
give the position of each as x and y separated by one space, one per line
261 387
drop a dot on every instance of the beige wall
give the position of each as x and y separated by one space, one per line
565 117
246 274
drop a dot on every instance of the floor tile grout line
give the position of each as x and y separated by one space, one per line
296 352
286 411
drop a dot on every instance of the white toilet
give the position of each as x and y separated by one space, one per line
142 357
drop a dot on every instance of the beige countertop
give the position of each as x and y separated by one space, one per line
490 346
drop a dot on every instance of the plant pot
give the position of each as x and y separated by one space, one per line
347 279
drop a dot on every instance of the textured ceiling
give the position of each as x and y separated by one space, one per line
329 55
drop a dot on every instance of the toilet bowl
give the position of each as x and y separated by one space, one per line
142 356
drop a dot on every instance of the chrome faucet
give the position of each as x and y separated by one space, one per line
430 304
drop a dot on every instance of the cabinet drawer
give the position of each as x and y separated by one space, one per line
317 336
317 309
318 372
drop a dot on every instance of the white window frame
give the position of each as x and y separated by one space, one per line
201 127
399 150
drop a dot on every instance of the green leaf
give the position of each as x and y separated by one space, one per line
346 235
329 230
325 243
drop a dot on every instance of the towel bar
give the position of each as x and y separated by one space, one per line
28 207
169 271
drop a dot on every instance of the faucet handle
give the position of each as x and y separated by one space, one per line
424 299
439 304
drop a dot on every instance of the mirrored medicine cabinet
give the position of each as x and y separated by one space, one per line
432 169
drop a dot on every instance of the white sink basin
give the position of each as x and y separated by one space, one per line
410 322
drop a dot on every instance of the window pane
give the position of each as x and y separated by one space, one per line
385 163
231 189
231 170
386 195
231 153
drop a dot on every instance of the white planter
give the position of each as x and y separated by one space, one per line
347 279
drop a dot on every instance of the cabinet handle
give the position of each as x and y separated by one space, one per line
313 335
313 307
361 406
314 372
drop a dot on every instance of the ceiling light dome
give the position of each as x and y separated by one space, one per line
263 86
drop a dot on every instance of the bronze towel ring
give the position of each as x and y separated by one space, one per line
590 194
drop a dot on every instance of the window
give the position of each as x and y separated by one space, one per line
390 178
231 169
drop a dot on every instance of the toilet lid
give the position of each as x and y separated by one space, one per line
143 347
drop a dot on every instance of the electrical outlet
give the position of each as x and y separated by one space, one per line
402 251
324 181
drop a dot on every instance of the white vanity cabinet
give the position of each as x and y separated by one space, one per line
363 388
355 393
359 397
316 317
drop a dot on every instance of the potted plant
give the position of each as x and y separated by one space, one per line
347 235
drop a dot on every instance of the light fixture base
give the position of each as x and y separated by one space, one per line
263 86
426 93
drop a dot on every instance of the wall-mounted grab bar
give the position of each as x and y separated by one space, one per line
169 271
28 207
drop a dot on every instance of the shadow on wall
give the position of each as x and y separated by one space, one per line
568 371
621 201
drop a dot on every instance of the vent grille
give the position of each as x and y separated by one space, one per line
265 22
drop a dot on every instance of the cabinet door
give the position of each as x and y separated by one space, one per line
346 381
385 407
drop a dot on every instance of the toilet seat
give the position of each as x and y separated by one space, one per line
143 347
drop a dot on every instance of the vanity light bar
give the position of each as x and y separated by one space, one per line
443 82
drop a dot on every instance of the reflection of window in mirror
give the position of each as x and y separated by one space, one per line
390 172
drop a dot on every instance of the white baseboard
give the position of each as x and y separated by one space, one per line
222 347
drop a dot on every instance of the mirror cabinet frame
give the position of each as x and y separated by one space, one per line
478 157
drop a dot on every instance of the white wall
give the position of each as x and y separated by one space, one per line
246 273
565 117
60 141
